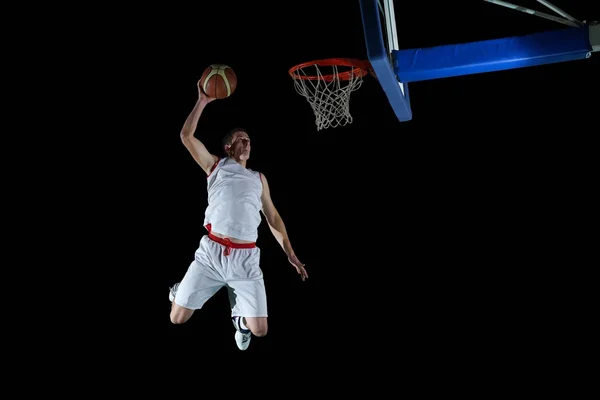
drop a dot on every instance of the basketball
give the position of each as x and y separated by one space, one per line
219 81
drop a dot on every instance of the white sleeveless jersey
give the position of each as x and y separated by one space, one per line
234 200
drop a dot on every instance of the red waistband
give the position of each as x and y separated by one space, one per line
228 243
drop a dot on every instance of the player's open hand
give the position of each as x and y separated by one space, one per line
299 266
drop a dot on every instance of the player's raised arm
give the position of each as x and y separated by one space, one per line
203 157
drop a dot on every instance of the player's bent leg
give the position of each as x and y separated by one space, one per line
197 286
248 297
179 314
246 327
257 325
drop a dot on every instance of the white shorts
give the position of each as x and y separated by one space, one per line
225 264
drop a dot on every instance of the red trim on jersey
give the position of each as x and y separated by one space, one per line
213 168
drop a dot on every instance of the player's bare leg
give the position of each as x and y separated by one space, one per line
180 315
258 326
246 327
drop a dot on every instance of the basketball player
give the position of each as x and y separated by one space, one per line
227 255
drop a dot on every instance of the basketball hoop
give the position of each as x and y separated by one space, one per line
328 90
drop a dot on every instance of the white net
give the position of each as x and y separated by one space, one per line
329 98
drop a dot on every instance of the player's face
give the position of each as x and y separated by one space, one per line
240 146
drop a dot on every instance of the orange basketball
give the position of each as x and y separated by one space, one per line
219 81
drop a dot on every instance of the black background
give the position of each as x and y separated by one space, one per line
418 237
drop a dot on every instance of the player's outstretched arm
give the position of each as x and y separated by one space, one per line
278 228
196 148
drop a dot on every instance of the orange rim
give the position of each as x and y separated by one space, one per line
359 68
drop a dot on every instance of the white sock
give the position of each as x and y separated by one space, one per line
242 325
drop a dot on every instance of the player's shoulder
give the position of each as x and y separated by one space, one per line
255 172
260 175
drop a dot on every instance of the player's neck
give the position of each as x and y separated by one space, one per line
241 162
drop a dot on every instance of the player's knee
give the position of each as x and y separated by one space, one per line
259 331
178 317
258 326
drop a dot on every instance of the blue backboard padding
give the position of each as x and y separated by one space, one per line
491 55
380 61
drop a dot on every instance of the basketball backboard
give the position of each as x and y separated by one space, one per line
381 39
395 68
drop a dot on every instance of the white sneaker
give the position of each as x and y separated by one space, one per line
173 291
242 336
